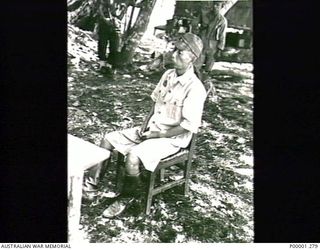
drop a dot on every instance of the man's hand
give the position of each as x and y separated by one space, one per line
143 128
149 134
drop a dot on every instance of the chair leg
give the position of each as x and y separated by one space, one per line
187 177
150 192
105 167
162 174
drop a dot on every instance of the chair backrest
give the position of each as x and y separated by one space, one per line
209 87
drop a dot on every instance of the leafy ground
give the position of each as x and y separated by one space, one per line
220 205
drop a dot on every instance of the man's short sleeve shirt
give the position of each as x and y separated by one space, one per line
178 100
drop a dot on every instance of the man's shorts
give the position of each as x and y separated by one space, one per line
150 151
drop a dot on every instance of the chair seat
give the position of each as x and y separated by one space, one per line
178 157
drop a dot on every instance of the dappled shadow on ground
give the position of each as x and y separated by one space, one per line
220 205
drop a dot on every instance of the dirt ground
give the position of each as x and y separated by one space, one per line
220 205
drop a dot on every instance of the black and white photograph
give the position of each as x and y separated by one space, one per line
160 121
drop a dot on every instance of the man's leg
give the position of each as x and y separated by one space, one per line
210 60
132 176
114 45
102 40
130 188
210 55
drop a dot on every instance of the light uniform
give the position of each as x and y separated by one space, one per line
178 100
213 34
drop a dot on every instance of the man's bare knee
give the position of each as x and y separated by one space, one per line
133 159
132 164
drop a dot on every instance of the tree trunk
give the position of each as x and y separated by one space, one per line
135 34
228 6
84 16
74 4
183 8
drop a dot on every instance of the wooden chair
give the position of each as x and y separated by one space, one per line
181 159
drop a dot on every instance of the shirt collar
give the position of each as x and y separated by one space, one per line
183 79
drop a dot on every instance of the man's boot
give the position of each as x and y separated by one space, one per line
130 191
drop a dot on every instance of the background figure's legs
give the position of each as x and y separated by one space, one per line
210 55
103 31
102 48
114 46
209 60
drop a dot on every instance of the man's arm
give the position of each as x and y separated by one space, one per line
222 35
178 130
146 121
101 13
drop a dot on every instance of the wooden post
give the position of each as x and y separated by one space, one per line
74 208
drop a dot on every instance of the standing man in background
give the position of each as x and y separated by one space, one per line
109 24
211 26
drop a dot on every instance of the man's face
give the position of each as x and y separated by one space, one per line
182 55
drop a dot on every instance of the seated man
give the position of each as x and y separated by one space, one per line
176 114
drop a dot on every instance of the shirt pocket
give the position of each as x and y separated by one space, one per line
174 111
161 92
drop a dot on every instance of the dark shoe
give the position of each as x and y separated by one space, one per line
118 207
